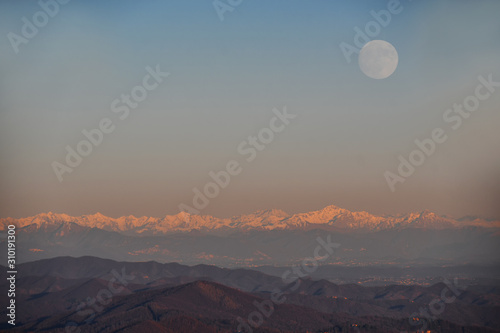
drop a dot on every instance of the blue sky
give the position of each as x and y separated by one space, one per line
225 79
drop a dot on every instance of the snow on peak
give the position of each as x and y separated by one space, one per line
329 217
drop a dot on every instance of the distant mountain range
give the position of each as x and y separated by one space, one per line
329 218
263 238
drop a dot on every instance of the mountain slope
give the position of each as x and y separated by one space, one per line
204 306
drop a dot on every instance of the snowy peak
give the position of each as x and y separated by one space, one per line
271 213
338 218
427 219
332 209
264 219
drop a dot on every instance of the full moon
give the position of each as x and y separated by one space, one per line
378 59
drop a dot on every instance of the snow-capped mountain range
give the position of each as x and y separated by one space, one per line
330 217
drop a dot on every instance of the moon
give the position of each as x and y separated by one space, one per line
378 59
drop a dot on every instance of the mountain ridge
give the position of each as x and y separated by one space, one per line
331 217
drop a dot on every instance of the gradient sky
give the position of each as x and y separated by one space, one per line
225 79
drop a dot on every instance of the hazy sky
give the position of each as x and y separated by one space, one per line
225 79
